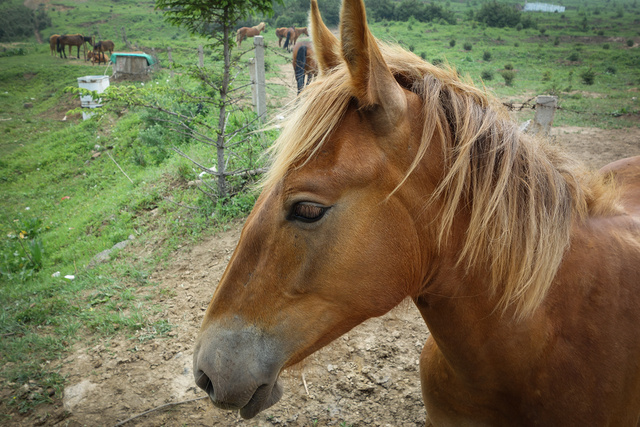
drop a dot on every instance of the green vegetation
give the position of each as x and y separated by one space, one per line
65 195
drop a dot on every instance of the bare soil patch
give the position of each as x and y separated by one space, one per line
367 377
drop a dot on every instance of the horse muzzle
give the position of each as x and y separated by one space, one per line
238 368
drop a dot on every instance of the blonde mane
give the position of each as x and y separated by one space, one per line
260 26
522 195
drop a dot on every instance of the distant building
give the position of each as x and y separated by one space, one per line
542 7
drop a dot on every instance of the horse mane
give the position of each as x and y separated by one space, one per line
260 26
522 195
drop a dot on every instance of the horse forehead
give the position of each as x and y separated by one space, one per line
348 157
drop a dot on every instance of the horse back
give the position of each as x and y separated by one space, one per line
626 174
593 308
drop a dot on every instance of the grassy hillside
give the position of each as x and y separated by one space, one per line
72 188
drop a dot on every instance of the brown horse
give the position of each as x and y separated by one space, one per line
245 32
96 57
394 179
53 44
104 46
291 36
70 40
299 32
281 33
304 64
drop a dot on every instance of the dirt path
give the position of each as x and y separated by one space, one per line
367 377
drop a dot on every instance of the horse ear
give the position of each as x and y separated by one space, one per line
371 78
325 44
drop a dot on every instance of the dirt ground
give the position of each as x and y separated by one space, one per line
367 377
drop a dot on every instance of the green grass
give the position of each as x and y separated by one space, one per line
55 191
608 102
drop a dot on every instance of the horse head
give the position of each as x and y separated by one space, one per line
332 239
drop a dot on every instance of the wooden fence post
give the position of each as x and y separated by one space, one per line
124 38
252 74
545 110
261 86
201 56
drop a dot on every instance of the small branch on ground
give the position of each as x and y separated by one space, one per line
121 423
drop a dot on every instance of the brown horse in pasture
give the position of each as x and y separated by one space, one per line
304 63
281 33
53 44
104 46
245 32
292 35
96 57
70 40
393 179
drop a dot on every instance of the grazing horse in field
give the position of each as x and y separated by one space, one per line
299 32
245 32
292 35
70 40
392 179
288 42
104 46
304 64
89 40
281 33
53 43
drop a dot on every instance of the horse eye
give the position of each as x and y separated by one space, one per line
307 212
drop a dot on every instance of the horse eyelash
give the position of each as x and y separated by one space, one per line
307 212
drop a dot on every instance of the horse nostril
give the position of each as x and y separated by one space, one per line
203 381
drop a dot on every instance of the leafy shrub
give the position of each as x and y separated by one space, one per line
574 57
452 42
508 76
556 41
437 61
588 77
606 46
486 55
630 42
486 75
467 46
611 70
20 51
546 76
508 66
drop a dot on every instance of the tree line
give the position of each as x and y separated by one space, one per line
18 22
492 13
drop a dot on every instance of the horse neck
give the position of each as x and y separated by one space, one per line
455 303
478 340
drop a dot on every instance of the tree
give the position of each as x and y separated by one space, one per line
18 22
379 10
496 14
296 13
215 20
